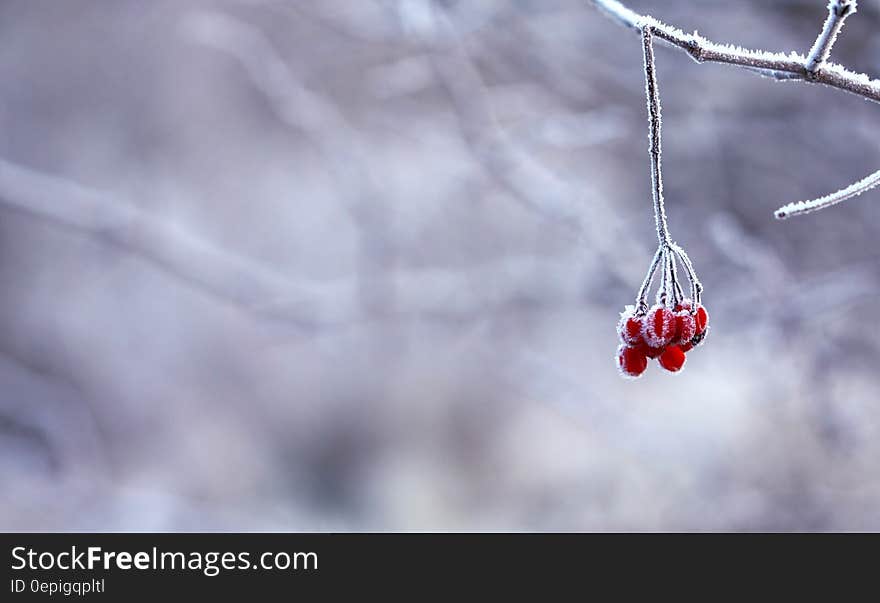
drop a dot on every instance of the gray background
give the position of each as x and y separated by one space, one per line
302 265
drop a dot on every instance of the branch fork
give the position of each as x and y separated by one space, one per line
813 68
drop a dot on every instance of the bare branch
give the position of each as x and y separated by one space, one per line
853 190
792 66
838 11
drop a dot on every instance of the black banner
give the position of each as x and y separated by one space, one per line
114 567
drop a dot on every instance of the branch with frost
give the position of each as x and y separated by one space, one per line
838 11
853 190
813 68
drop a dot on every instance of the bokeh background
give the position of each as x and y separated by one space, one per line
335 265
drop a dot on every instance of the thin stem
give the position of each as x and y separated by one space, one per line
654 128
696 286
666 291
804 207
664 279
641 297
838 11
677 294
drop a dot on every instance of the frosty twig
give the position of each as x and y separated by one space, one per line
804 207
790 66
813 68
654 129
838 11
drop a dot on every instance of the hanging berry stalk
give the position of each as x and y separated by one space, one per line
676 323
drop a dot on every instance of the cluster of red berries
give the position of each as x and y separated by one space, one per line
663 333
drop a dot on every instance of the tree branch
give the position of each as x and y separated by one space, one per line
853 190
793 66
838 11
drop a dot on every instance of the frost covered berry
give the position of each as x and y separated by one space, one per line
672 359
629 328
701 319
649 351
685 327
685 304
701 322
658 327
631 362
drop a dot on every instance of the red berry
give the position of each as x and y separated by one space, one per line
629 328
687 346
672 359
658 327
701 322
631 362
649 351
685 327
701 318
